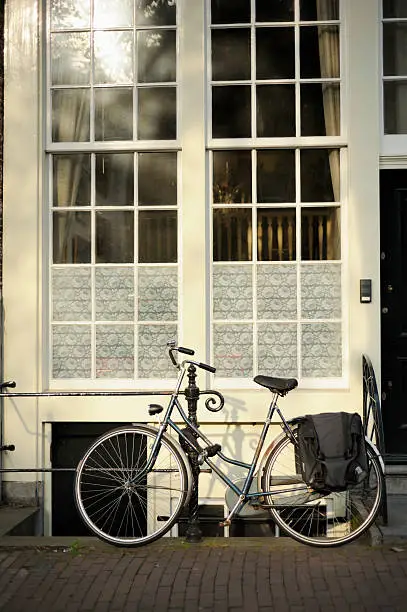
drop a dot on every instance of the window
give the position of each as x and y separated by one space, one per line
275 136
113 166
395 66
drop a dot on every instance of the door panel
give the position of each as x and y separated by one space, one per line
393 235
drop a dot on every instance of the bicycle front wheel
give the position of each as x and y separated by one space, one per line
121 496
313 518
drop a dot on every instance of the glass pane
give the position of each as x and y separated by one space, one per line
157 294
321 350
231 112
224 11
277 349
157 235
113 114
276 234
70 58
232 292
113 57
275 53
114 179
277 291
115 237
320 175
233 350
114 351
156 13
113 13
157 108
395 49
394 8
274 11
71 237
232 234
275 110
70 14
232 177
320 233
320 109
395 107
114 294
71 294
319 52
71 351
71 180
156 56
157 179
70 115
152 360
321 291
319 10
276 176
231 54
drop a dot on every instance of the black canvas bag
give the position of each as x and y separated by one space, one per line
332 450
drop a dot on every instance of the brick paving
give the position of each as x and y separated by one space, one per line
218 575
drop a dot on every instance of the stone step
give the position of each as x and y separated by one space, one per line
396 479
16 521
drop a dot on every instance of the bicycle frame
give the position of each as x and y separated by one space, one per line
243 493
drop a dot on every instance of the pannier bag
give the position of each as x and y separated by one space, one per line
332 450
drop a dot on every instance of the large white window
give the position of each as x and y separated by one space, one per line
275 138
129 144
394 66
113 167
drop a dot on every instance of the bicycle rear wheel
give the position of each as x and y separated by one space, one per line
313 518
118 499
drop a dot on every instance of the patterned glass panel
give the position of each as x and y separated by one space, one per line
158 294
71 351
233 350
321 347
277 349
153 360
114 297
277 291
321 291
232 292
115 351
71 294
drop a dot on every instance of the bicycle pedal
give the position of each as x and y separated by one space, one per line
225 523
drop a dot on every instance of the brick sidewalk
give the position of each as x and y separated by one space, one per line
233 575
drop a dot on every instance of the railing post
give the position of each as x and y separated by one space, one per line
193 532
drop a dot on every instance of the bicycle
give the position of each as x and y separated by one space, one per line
133 482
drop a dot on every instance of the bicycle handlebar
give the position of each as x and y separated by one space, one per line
181 349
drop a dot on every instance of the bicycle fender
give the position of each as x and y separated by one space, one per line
179 448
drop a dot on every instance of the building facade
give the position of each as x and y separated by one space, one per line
223 174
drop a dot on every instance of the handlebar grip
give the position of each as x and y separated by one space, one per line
9 384
205 366
187 351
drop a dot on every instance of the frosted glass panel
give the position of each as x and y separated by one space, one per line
277 349
321 347
115 351
114 289
71 351
71 294
158 294
321 291
232 292
153 360
277 292
233 350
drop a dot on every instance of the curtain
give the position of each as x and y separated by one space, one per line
328 37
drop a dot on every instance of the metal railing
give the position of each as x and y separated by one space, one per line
372 418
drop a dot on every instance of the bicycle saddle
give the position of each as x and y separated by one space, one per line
277 385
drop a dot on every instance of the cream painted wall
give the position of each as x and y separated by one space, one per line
23 241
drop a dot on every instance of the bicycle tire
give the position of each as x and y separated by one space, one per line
310 517
118 500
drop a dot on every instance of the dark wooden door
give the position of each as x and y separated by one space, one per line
393 250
